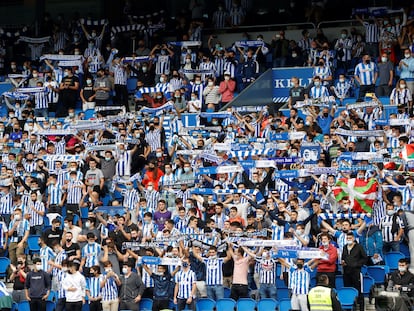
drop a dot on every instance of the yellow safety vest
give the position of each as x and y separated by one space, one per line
320 299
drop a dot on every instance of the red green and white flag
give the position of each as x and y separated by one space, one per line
362 193
407 153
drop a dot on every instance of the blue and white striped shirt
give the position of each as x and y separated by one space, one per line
35 218
46 254
185 280
6 204
55 193
93 285
110 290
91 254
299 281
366 72
214 271
74 192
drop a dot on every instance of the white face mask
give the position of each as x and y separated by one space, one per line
402 86
210 83
39 267
384 59
227 78
124 270
407 55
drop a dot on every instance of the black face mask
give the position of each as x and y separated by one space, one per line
368 61
299 265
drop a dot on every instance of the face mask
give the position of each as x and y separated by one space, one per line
158 154
301 180
390 212
93 34
177 96
129 187
88 81
342 80
265 254
349 242
150 188
294 55
368 61
76 53
198 82
163 52
326 244
210 83
124 270
186 169
316 83
13 66
360 176
185 264
343 36
39 267
227 78
107 270
402 269
187 61
64 269
90 46
90 242
299 265
385 23
299 232
65 74
397 20
384 59
35 75
108 48
346 206
87 224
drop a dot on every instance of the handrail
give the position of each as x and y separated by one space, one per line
338 22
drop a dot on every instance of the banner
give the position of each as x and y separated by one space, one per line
110 210
167 106
359 133
125 28
61 57
281 81
185 43
266 243
249 43
16 96
34 40
62 157
299 252
225 169
310 153
166 261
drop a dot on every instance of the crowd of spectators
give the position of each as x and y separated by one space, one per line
103 193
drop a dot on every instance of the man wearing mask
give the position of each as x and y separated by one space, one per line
366 74
68 93
185 288
406 66
102 87
37 286
280 47
385 75
74 285
162 285
353 258
131 290
392 229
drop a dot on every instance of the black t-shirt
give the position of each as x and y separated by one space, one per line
52 235
71 250
71 82
297 94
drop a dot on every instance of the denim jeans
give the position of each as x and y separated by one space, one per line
267 291
215 292
390 247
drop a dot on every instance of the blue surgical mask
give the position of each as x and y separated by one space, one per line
185 265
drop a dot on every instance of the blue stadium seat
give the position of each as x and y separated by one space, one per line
225 304
23 306
391 259
85 307
245 304
285 305
33 244
145 304
205 304
280 283
267 304
368 282
14 306
227 292
405 250
378 273
347 297
339 281
132 85
282 293
4 264
50 305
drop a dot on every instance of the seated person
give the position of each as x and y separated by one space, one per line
402 279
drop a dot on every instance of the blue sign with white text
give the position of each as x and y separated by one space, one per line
281 81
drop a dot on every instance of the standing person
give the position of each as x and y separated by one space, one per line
385 75
18 277
353 258
226 89
19 231
185 287
93 288
102 87
366 74
296 92
322 297
120 83
131 288
406 66
299 282
74 285
68 93
162 286
239 287
37 287
326 266
109 288
392 228
214 272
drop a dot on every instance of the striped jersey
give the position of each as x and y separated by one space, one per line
163 65
386 227
74 192
41 99
366 72
21 229
93 285
185 280
91 254
55 193
46 254
299 281
110 290
214 271
120 75
35 218
267 270
6 204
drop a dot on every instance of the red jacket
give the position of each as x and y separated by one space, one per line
328 265
226 89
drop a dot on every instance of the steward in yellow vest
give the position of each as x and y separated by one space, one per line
322 297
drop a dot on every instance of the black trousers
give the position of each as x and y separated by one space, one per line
128 305
37 304
60 304
73 306
182 304
121 95
239 291
352 278
160 304
364 89
95 306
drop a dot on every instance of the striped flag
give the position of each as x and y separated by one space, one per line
408 152
361 192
